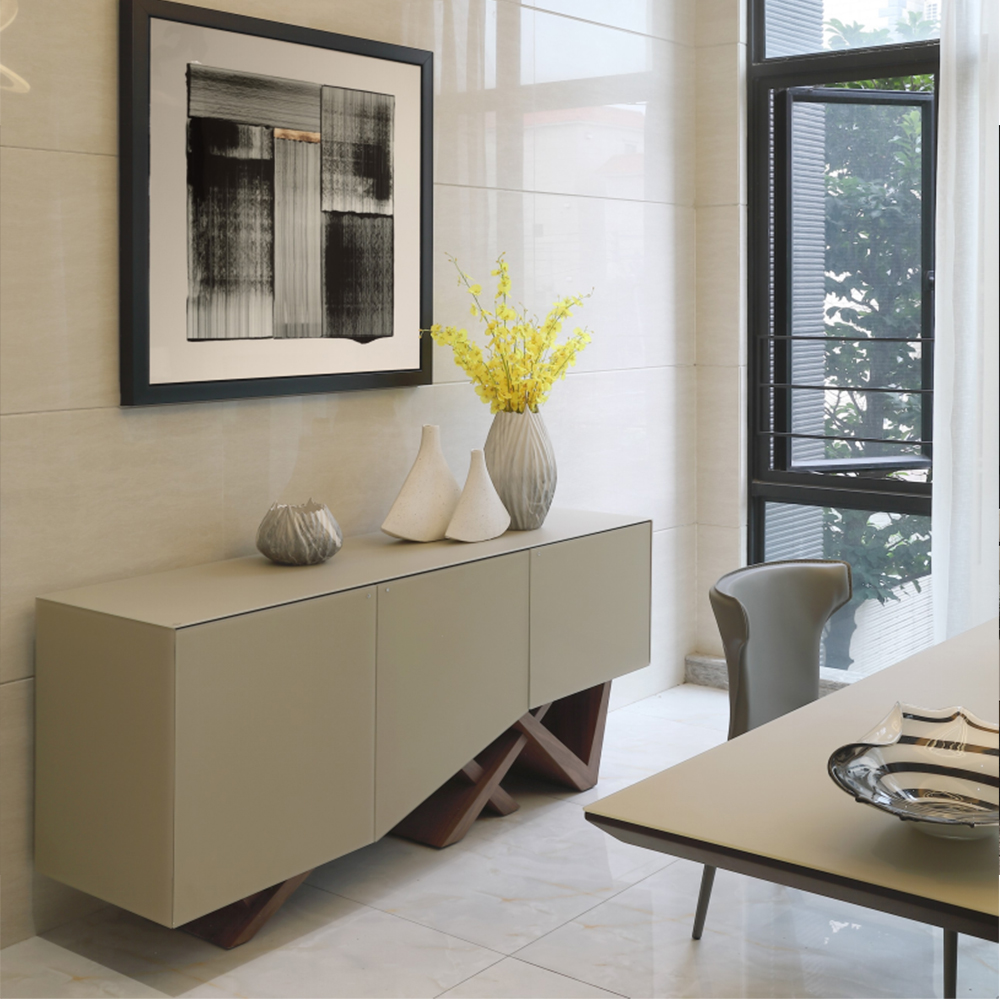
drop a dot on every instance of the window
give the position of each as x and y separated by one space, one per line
841 193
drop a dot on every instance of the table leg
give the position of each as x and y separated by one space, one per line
950 963
707 880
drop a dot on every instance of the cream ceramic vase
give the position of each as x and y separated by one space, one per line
522 465
480 515
427 500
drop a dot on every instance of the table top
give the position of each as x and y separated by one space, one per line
192 595
768 794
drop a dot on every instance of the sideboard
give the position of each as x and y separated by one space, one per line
207 732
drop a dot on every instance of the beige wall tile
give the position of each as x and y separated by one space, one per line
722 446
613 115
73 100
721 296
721 125
673 618
670 149
670 19
584 109
721 285
625 442
636 258
720 550
58 280
481 106
29 903
719 22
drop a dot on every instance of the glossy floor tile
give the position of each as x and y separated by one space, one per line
760 940
318 945
535 904
40 968
513 978
690 704
508 883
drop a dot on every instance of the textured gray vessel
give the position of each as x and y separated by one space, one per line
522 466
299 534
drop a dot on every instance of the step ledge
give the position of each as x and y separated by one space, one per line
710 671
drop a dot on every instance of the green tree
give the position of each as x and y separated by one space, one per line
874 269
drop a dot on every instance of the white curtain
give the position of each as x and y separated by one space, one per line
965 503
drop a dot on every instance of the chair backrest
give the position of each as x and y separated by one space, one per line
771 618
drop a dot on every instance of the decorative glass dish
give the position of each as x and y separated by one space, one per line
936 767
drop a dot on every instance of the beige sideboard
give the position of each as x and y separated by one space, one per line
207 732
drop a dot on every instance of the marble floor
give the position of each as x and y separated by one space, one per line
536 904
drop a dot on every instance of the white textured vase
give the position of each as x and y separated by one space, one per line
522 466
299 534
429 495
480 514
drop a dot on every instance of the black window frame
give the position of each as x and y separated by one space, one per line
765 77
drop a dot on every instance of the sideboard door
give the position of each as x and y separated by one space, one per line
452 675
275 736
590 610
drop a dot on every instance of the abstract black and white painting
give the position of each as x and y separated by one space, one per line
288 214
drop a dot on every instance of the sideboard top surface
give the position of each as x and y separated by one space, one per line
197 594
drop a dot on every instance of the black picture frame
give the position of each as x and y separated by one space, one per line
135 195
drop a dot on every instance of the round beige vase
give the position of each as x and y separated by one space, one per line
522 465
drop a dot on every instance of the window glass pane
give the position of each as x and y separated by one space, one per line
873 215
853 331
854 413
794 27
890 615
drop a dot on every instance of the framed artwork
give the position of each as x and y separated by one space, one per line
276 214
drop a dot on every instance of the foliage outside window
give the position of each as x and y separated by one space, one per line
841 453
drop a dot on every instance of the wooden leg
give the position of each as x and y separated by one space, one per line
235 924
950 963
704 895
446 816
499 803
567 748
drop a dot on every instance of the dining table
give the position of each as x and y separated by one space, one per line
764 805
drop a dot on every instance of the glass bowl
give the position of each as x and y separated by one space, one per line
935 767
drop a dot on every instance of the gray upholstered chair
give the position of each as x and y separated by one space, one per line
771 618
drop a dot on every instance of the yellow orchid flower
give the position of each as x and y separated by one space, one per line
522 362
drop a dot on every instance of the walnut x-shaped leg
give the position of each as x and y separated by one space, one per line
560 741
238 922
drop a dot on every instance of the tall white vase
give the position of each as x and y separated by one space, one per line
480 514
522 466
429 495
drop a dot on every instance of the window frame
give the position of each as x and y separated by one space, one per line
764 77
